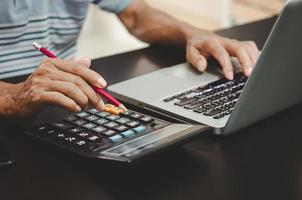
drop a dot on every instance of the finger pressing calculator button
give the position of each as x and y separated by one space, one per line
115 138
128 133
140 129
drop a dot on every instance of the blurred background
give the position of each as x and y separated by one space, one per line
104 35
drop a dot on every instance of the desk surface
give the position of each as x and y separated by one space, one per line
263 162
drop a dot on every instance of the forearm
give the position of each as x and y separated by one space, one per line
154 26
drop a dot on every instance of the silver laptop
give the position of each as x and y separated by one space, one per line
228 106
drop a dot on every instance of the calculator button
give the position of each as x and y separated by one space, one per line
70 139
103 114
62 125
115 138
92 111
84 135
75 130
51 132
123 120
147 119
126 113
140 129
101 121
113 117
94 138
128 133
42 129
121 128
89 125
70 118
109 133
81 143
92 118
82 114
111 124
60 135
80 122
133 123
99 129
136 115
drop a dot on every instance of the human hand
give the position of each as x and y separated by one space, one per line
201 44
64 83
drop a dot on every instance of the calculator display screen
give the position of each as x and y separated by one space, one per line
162 136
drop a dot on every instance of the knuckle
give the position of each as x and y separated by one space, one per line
76 68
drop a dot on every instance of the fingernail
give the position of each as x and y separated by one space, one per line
200 65
78 108
230 75
101 83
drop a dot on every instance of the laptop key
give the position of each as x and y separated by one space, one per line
168 99
185 101
193 105
211 112
199 110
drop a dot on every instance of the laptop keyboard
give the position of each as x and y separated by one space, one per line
95 130
215 100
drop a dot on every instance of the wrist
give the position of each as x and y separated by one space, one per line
8 103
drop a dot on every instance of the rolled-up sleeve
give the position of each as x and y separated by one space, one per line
115 6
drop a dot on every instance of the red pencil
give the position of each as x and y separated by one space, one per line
99 90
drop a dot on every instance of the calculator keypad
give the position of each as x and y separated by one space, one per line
92 130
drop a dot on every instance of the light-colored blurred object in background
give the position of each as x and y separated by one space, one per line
103 34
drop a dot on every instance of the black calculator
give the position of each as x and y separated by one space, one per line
124 137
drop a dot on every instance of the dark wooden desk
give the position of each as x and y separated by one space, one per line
263 162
